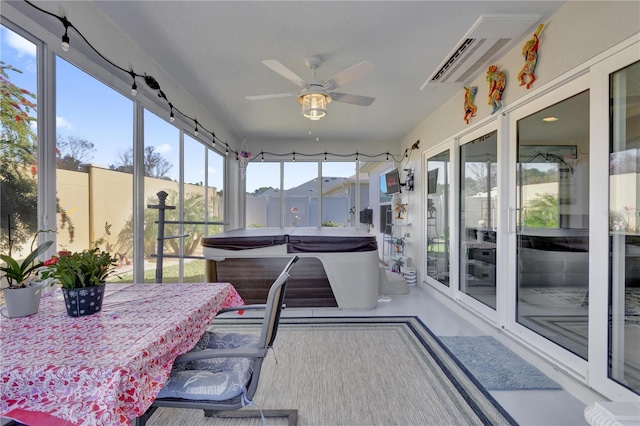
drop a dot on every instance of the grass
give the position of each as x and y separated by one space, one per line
193 273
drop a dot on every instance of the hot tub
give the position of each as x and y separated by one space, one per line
349 256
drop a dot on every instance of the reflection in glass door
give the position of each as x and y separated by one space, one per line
624 228
437 217
553 223
478 221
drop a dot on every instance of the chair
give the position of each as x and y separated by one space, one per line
222 371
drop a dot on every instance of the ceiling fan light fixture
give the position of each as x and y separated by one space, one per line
314 105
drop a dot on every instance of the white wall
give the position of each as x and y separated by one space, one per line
576 33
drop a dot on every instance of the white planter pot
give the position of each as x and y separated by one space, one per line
22 302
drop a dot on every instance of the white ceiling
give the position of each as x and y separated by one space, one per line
214 49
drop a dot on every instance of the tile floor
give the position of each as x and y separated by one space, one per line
528 408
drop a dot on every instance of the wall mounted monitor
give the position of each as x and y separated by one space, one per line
392 179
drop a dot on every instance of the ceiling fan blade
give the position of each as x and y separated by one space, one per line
272 96
285 72
351 74
352 99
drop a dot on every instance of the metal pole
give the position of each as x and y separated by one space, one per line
162 197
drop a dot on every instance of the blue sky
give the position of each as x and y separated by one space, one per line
88 109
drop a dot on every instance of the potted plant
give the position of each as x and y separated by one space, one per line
22 295
82 276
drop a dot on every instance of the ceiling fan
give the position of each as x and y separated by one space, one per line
316 94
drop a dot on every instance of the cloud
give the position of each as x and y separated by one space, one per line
22 45
165 147
62 122
212 170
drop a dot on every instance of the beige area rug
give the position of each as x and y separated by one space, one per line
357 371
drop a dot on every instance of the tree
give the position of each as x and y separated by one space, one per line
532 175
18 198
18 165
262 189
154 164
73 151
542 212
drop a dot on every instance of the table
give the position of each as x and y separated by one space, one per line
349 256
106 368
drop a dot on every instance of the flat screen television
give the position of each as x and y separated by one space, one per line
432 181
392 179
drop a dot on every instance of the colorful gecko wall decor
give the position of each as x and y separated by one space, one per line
530 53
469 108
497 82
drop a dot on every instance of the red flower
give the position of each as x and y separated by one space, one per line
52 261
64 253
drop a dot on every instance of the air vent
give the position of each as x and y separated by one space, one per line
490 36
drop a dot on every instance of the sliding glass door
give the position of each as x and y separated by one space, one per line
478 218
437 217
624 227
552 235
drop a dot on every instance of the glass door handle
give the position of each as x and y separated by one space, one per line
511 220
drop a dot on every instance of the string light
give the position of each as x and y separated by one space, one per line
134 86
153 84
65 36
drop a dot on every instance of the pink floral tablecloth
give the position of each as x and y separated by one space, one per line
106 368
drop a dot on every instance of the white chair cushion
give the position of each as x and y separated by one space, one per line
214 379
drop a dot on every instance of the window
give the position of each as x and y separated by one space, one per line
339 188
263 195
300 194
18 157
94 180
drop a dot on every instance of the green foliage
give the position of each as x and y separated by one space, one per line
20 274
18 198
533 176
260 190
331 224
194 211
88 268
18 167
542 212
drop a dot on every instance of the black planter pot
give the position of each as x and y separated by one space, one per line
83 301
